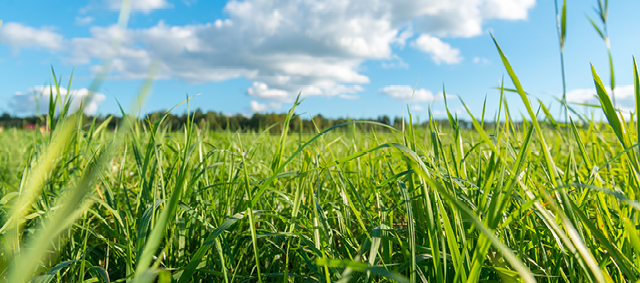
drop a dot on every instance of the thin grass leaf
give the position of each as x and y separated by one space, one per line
563 34
609 110
595 26
636 87
362 267
197 256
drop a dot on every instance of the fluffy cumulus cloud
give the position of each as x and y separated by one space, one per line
461 18
440 52
582 95
407 93
19 36
264 107
258 107
417 107
36 99
261 90
284 47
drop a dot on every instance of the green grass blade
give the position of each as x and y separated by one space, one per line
547 156
51 273
609 111
208 243
636 87
563 34
595 26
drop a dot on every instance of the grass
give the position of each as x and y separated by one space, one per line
538 201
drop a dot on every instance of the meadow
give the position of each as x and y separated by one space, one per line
537 200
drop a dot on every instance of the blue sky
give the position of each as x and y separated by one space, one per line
348 58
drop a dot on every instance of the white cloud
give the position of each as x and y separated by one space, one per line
343 91
440 51
582 95
263 107
395 62
19 36
462 18
401 39
84 20
406 93
262 91
316 47
288 46
36 99
481 60
258 107
508 10
275 105
417 107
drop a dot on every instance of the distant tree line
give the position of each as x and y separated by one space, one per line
220 122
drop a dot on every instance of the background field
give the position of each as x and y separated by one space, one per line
434 203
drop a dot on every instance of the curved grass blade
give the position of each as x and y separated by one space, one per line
534 120
48 276
197 256
609 110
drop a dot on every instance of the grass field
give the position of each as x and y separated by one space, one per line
537 201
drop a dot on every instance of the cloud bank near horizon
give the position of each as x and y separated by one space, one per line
35 100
